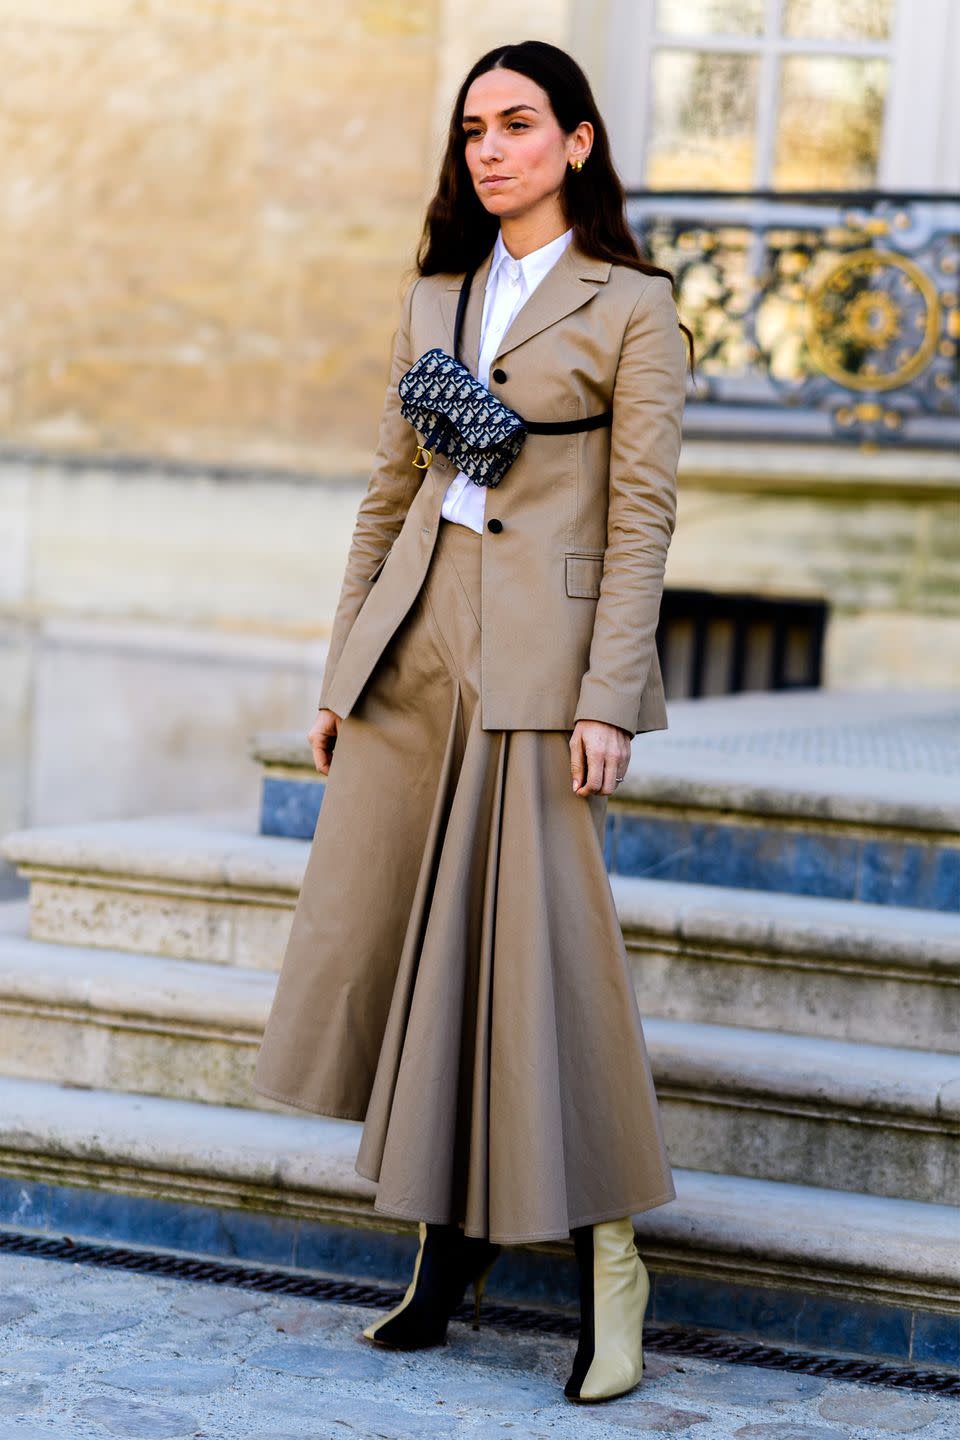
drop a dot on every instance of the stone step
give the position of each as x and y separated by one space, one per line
793 963
788 1263
851 795
194 887
211 889
870 1118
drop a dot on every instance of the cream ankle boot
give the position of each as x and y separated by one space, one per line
614 1289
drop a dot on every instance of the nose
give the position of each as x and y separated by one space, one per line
489 149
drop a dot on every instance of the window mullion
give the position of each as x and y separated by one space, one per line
630 53
766 120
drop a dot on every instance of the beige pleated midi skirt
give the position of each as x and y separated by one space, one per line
456 976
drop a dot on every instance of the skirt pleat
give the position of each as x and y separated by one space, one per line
456 975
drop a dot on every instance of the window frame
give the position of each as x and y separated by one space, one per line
920 144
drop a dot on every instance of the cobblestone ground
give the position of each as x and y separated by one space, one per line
88 1352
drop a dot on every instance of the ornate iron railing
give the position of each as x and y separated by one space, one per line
816 315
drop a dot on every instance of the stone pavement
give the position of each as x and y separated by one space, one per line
88 1352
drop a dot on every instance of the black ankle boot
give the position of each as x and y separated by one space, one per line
447 1262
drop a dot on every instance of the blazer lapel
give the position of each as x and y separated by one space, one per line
570 283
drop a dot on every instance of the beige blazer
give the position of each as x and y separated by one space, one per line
576 533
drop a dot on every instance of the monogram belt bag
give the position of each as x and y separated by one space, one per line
458 415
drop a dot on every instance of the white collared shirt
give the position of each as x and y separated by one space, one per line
510 284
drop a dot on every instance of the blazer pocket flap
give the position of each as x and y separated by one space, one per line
583 574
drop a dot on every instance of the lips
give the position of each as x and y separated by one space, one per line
495 179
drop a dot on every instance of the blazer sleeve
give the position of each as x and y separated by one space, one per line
390 492
648 400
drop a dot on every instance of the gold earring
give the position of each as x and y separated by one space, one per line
576 164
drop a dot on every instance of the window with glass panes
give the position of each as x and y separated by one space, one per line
754 94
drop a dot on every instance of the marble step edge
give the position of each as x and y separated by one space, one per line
772 1232
883 1085
687 777
191 857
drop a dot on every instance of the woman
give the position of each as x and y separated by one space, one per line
456 975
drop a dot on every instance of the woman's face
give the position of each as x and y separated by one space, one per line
516 152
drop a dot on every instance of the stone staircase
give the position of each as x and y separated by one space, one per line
800 1009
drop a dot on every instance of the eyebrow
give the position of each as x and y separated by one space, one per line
501 114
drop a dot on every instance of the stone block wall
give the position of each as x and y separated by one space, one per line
209 210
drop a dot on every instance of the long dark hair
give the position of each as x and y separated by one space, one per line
458 232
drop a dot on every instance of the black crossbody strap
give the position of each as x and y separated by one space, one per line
535 427
461 308
569 427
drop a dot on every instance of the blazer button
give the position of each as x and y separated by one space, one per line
495 525
499 375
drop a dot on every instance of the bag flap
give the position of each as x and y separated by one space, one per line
439 387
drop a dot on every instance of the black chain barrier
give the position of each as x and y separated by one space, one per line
507 1317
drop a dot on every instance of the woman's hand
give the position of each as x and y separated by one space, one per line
599 754
322 739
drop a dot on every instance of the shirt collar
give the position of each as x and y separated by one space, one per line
533 267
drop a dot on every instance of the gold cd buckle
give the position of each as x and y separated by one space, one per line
418 460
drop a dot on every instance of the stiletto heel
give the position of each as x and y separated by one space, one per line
479 1285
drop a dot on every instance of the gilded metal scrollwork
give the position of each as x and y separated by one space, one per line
860 317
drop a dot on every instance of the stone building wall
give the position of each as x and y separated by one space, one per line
209 210
204 212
